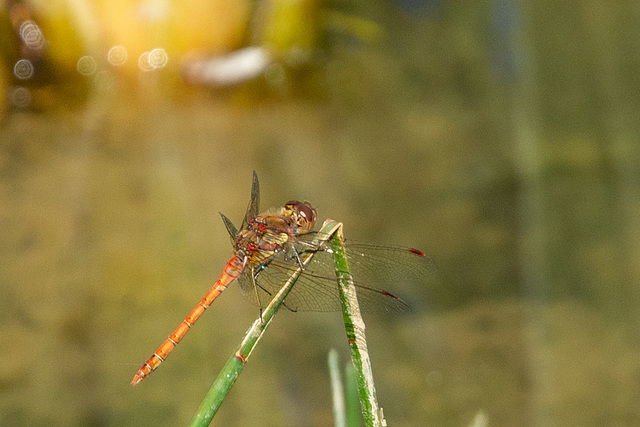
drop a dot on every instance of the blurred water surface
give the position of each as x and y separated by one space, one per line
501 141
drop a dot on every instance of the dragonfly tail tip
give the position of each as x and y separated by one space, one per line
137 378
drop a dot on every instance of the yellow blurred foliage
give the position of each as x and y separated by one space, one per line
179 27
74 28
289 27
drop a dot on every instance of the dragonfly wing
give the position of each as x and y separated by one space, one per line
316 289
267 288
269 281
321 276
231 229
372 263
373 268
379 264
253 209
313 291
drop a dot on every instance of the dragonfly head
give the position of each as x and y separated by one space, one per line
303 214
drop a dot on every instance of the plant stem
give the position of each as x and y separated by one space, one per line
354 326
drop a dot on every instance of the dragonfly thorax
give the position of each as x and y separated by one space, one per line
273 232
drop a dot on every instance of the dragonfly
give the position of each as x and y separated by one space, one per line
267 251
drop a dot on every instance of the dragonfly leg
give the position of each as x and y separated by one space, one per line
254 274
292 253
257 285
289 308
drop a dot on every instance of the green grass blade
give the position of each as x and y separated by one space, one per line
351 396
337 390
231 370
354 326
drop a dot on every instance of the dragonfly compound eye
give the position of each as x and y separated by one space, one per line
304 214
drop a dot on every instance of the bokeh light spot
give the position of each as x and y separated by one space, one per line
143 62
31 35
20 97
117 55
153 60
87 65
23 69
158 58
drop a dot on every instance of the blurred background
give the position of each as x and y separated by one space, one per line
500 137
